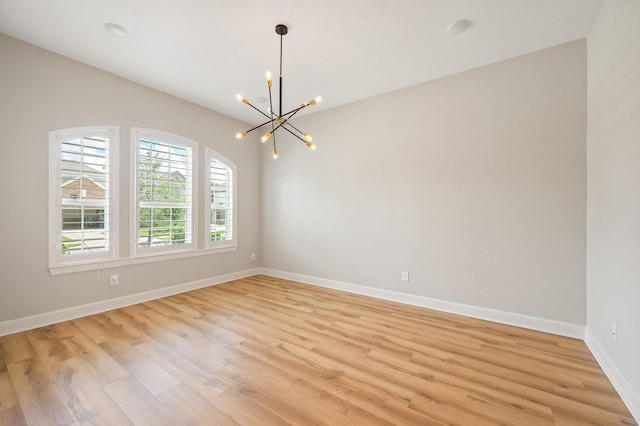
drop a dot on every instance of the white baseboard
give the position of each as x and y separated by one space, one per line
534 323
35 321
576 331
626 392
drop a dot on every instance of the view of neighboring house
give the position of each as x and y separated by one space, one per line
84 192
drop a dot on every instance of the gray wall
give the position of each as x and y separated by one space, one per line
41 91
613 208
474 183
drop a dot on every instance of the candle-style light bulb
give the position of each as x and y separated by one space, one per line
265 137
241 134
268 75
275 154
307 136
312 146
242 99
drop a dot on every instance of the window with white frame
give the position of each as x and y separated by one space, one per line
82 194
220 190
165 217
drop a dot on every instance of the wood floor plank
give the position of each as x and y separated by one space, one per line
117 326
467 375
95 329
200 381
194 409
440 407
440 374
12 416
65 329
85 397
49 346
365 400
188 350
15 348
334 410
147 372
181 306
267 351
140 405
251 383
162 306
99 364
40 400
8 397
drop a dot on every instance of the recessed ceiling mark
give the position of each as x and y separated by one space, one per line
458 26
116 30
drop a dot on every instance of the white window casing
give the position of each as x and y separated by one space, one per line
83 195
164 193
84 199
220 189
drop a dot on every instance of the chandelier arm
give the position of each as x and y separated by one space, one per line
272 120
296 129
274 144
270 104
290 114
303 140
278 126
285 121
272 129
260 125
293 111
259 110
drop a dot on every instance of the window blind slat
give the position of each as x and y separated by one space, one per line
84 196
164 193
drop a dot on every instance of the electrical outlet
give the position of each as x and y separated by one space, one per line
115 280
614 331
405 276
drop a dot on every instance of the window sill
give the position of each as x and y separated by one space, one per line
116 263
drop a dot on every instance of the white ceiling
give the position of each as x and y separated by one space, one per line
207 51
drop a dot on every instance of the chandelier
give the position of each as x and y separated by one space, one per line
278 120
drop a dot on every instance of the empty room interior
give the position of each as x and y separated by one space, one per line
428 212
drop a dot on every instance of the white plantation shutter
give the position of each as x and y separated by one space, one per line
165 189
221 196
82 195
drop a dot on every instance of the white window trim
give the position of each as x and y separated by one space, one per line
201 244
136 250
118 263
208 244
56 259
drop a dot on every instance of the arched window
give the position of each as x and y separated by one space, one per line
83 195
220 208
165 193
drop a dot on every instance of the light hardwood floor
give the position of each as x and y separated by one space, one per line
265 351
